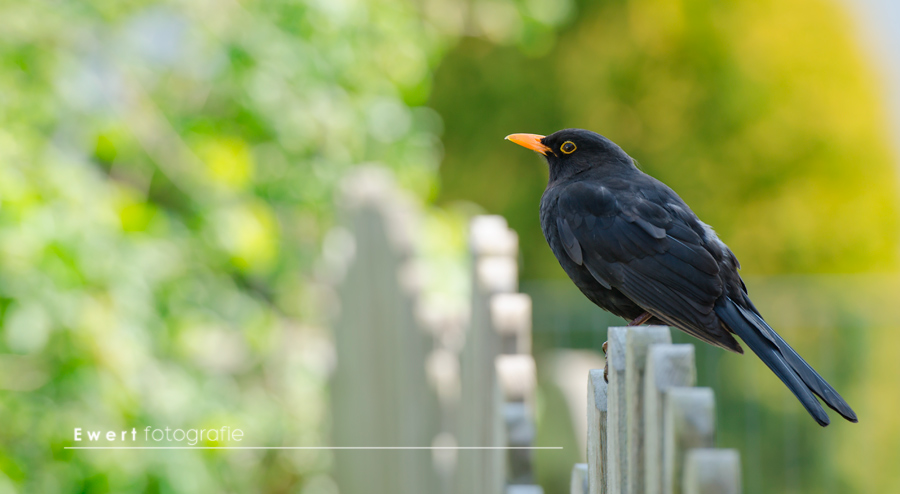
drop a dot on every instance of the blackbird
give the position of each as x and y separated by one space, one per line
635 249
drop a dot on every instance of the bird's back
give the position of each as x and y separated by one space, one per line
606 297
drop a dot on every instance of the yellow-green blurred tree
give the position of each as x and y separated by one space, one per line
764 116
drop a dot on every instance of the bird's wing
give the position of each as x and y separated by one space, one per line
655 252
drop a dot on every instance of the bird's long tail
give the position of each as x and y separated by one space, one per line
784 361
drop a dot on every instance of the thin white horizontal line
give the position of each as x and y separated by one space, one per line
320 447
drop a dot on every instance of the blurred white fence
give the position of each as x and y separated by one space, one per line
380 394
497 370
462 384
649 430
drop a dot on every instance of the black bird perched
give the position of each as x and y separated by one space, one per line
635 249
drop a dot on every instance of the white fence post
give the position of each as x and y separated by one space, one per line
637 345
667 366
511 319
518 379
580 479
497 369
597 435
617 413
379 391
644 425
690 422
712 471
493 249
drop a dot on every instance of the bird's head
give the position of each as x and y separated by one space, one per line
571 151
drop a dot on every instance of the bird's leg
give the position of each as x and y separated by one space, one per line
606 362
641 319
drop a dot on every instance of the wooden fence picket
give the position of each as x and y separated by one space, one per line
649 430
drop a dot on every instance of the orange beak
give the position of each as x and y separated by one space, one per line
530 141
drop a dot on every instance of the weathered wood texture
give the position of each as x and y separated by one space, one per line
617 414
637 345
667 366
597 435
690 422
645 425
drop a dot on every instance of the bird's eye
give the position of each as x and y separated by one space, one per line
568 147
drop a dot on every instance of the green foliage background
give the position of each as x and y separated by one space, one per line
168 169
166 179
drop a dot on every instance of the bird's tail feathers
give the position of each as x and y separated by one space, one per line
784 361
813 380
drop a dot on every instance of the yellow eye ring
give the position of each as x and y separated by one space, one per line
568 147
